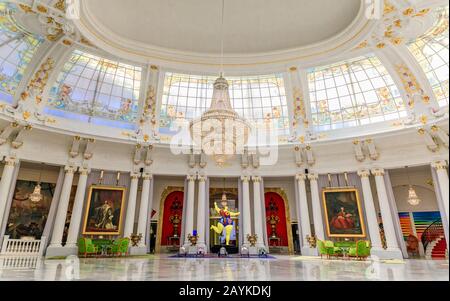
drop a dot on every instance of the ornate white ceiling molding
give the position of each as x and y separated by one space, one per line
104 38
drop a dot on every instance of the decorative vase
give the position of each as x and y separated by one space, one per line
135 239
252 239
193 239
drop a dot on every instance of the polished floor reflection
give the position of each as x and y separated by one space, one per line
162 268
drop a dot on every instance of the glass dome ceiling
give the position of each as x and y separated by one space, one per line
90 86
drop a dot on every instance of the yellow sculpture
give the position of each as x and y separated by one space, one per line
226 222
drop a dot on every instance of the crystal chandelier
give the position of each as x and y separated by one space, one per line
220 132
413 199
37 196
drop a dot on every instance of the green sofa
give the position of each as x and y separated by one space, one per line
86 247
120 247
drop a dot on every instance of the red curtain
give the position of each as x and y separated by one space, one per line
173 206
275 207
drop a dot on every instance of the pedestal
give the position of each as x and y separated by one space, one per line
388 254
59 251
138 251
307 251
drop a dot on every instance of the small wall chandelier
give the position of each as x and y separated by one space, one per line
413 199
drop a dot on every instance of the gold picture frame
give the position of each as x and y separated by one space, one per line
343 213
109 207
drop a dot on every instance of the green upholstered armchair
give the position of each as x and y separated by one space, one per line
332 250
361 251
321 248
86 247
120 246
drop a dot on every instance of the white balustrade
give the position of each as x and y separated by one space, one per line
23 246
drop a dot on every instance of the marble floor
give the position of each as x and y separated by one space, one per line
162 268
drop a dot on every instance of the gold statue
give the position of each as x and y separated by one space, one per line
226 222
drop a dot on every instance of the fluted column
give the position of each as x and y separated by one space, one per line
258 210
317 208
63 206
304 210
143 209
131 208
77 210
201 211
371 213
441 170
388 223
190 204
5 184
246 217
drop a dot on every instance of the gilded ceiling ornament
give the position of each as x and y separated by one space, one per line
60 5
411 85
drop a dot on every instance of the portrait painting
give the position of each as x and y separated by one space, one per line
343 212
104 211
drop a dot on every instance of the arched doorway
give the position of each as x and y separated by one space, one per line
170 222
278 222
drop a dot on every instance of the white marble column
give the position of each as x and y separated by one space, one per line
77 211
441 170
5 184
371 213
258 211
131 208
385 208
317 208
305 222
61 214
246 216
143 209
201 212
190 205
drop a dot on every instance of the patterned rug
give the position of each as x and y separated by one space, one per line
215 256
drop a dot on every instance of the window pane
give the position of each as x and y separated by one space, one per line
355 92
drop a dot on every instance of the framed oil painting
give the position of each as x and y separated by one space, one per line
104 211
343 213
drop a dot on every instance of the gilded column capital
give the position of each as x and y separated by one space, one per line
256 179
202 178
364 173
191 178
70 169
11 161
313 177
301 177
135 175
378 172
245 179
439 165
84 171
147 176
